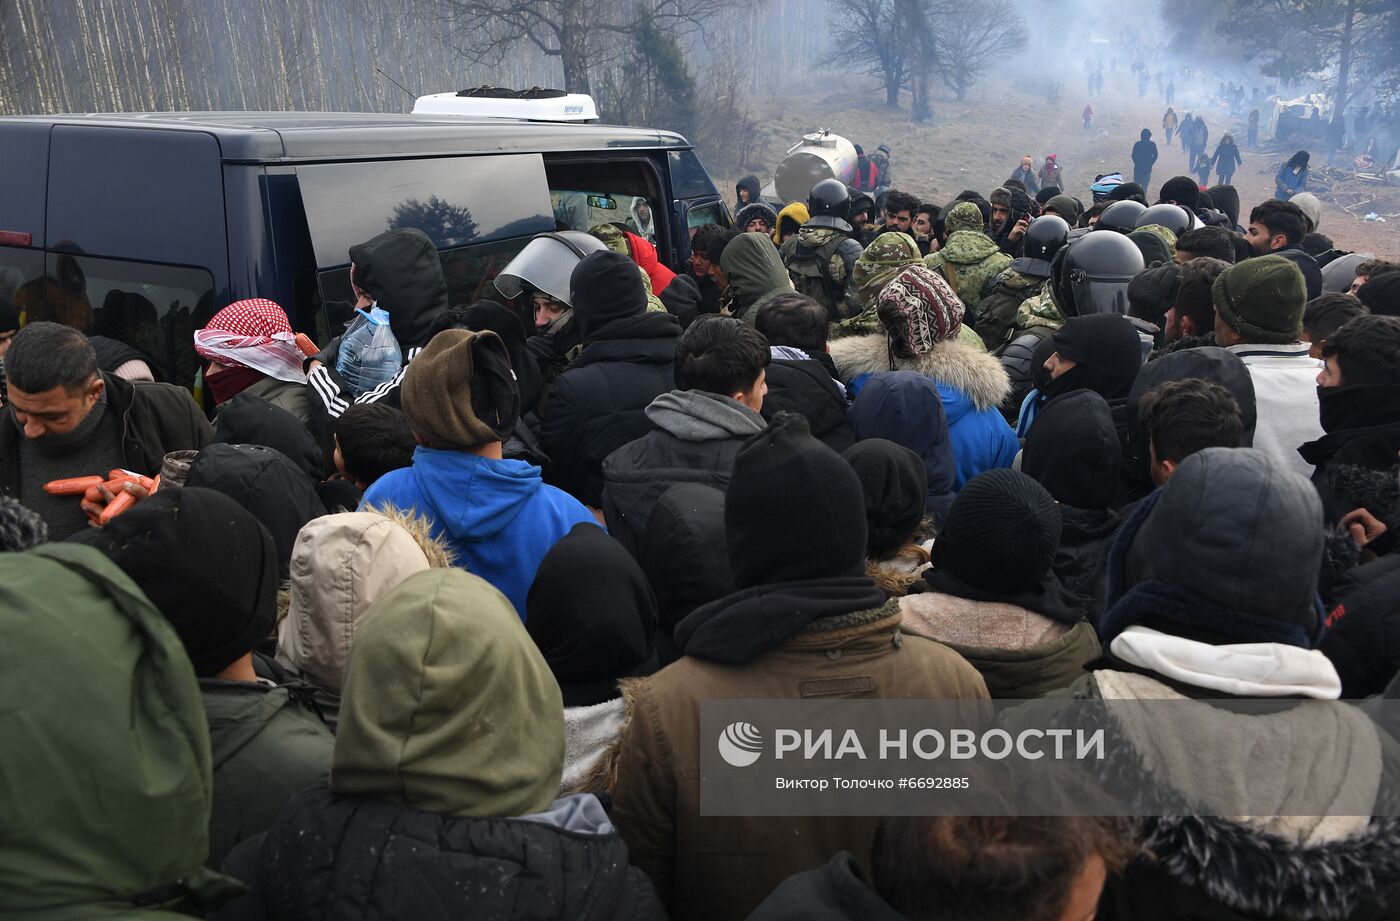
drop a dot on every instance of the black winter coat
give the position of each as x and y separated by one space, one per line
335 857
598 404
1363 627
1081 562
156 419
807 388
835 891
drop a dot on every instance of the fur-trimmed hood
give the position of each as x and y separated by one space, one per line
341 564
955 364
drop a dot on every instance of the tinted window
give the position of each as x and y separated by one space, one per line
21 271
24 165
470 270
689 178
152 308
454 200
154 196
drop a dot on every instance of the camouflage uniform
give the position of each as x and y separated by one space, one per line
835 288
970 259
882 260
995 316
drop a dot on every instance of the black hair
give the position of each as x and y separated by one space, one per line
1215 242
896 202
1281 217
46 355
717 245
1194 298
1243 250
720 355
20 527
374 439
1183 417
1298 159
1324 315
705 235
1367 350
989 868
1315 244
929 208
794 320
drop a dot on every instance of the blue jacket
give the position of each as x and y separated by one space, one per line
498 516
981 439
1288 183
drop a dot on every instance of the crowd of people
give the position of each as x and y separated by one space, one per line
422 631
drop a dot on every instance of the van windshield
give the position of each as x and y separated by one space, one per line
580 210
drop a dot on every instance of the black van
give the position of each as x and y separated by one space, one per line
140 226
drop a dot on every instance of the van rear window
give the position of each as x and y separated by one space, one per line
454 200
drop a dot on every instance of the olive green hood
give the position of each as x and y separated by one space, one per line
966 247
753 268
448 706
107 780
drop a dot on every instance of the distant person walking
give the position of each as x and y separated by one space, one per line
1170 123
1144 157
1292 176
1252 136
1051 174
1088 116
1226 158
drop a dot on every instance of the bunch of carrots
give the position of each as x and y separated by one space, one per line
95 489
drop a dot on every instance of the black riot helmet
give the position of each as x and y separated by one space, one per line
1173 217
1091 274
1120 216
829 205
1042 241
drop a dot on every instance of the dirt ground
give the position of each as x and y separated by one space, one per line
976 144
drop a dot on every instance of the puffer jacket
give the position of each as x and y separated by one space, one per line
806 387
694 439
971 383
657 793
969 261
249 419
599 403
335 856
268 745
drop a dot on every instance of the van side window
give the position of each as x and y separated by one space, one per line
153 308
700 215
688 176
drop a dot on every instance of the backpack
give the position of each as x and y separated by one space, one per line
809 268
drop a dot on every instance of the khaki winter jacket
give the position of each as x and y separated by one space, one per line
722 868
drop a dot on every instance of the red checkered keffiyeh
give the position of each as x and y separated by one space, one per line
253 334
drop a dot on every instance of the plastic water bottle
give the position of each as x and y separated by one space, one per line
369 353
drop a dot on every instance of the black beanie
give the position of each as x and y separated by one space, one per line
895 486
605 286
1183 190
1381 294
1128 191
206 563
793 509
1001 533
1047 193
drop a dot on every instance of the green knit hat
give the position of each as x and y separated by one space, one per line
964 216
1262 299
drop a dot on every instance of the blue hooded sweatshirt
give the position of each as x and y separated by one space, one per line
498 516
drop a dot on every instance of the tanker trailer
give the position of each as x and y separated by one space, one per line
820 155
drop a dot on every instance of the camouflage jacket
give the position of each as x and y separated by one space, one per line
995 315
969 261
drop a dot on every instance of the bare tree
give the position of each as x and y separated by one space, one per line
570 30
972 34
870 36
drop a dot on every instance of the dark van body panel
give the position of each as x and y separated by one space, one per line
140 226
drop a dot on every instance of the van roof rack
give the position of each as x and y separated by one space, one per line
534 104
